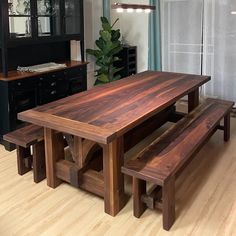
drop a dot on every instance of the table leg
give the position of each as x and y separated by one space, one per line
54 151
113 159
193 100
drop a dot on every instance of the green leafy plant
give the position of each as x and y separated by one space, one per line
108 45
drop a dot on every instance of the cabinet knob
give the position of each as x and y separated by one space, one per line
53 84
41 79
53 92
19 83
53 76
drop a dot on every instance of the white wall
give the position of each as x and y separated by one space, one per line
92 14
134 28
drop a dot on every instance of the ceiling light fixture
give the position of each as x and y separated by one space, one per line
147 10
233 12
120 10
130 10
131 7
139 10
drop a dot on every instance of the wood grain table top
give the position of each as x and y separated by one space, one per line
108 111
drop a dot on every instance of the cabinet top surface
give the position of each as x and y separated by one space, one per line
15 75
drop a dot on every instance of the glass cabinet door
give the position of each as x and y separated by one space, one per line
44 18
48 17
20 20
72 17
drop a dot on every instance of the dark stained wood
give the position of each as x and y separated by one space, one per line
15 75
168 206
137 134
187 162
166 156
24 160
153 198
116 107
77 151
98 134
74 176
54 150
81 149
63 170
139 189
193 99
105 114
93 182
163 159
89 180
39 168
25 136
175 116
227 127
113 159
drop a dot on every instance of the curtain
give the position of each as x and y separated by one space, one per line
154 38
220 48
106 8
198 36
181 35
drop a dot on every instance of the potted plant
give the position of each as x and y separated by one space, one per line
108 45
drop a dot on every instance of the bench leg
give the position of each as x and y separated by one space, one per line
24 160
227 127
139 188
168 199
39 168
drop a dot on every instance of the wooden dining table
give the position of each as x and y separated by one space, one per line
102 116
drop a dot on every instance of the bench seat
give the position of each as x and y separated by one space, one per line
24 138
162 160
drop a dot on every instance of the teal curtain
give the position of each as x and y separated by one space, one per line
106 9
154 37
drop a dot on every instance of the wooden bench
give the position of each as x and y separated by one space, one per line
24 138
163 160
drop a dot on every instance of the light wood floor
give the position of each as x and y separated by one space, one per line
205 201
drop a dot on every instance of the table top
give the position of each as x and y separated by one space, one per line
108 111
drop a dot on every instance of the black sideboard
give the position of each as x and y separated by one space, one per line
23 91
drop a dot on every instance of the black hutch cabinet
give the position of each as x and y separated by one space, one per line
34 32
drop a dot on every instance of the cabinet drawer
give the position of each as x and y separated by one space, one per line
51 79
75 72
76 85
23 84
24 100
47 95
